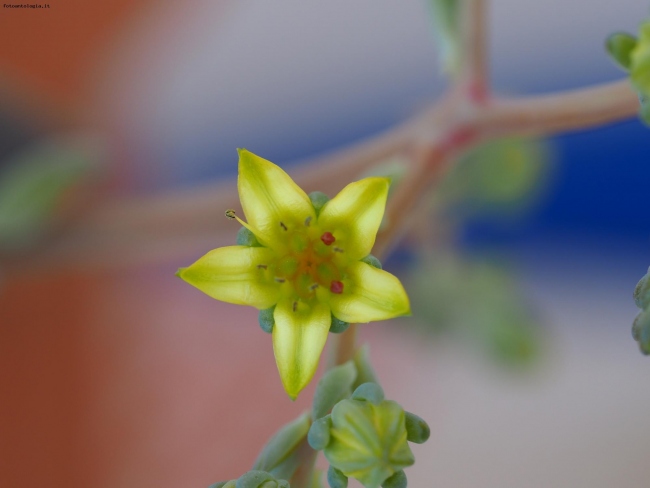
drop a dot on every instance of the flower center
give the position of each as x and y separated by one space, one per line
308 270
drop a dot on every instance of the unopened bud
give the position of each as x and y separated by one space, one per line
417 429
398 480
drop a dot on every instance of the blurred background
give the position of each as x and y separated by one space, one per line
519 353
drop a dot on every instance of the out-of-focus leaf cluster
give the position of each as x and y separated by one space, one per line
641 325
479 303
632 54
501 178
37 182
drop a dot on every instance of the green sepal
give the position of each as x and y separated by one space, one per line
336 479
398 480
319 433
277 456
246 238
417 430
365 371
338 326
372 261
369 392
334 386
266 320
318 200
642 292
619 46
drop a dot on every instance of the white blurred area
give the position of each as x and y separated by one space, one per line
287 79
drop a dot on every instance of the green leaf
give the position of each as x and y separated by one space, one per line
37 181
334 386
499 178
640 61
619 46
478 303
276 456
445 16
365 371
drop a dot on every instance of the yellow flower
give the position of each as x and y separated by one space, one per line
308 264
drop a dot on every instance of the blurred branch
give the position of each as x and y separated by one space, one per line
148 229
473 72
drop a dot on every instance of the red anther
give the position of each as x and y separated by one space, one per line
327 238
336 287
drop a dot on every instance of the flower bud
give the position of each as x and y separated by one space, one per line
368 441
619 46
642 292
224 484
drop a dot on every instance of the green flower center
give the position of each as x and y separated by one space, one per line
310 268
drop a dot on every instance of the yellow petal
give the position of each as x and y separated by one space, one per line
371 294
231 274
298 340
354 215
272 202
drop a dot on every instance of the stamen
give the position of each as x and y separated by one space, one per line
336 287
308 221
262 266
337 249
280 280
283 226
230 213
327 238
295 306
313 287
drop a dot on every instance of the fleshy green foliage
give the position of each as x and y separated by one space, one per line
445 18
253 479
365 371
633 56
369 392
319 433
641 325
501 177
37 181
398 480
246 238
417 429
334 386
336 479
279 456
619 46
479 303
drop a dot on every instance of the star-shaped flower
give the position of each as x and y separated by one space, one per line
308 264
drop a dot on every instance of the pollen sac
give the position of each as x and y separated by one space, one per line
367 439
336 287
328 239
